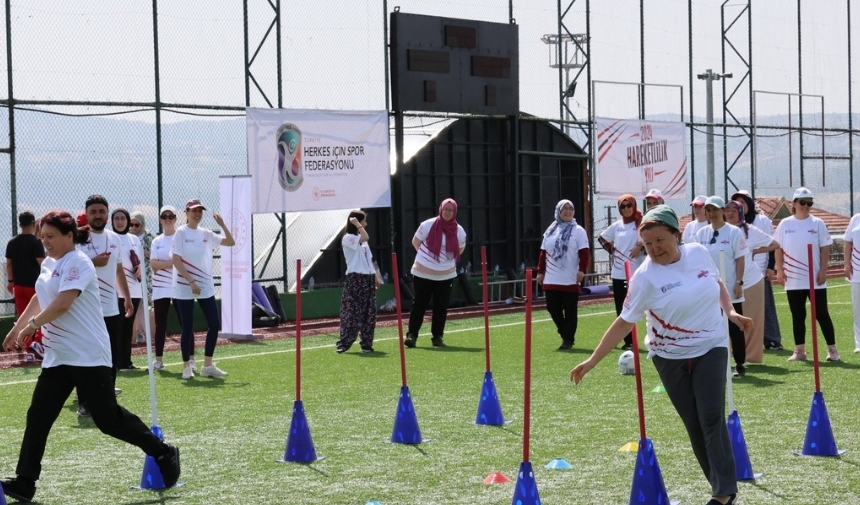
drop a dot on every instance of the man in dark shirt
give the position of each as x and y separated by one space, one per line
24 255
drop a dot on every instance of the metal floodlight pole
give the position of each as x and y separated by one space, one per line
709 77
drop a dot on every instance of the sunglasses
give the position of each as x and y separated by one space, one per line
805 203
166 217
625 206
135 225
714 238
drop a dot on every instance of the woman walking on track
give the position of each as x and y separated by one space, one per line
162 281
621 240
77 355
564 257
438 243
358 304
192 251
794 234
678 289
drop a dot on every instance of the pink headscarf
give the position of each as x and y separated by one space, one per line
449 228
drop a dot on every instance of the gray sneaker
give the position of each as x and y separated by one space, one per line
212 371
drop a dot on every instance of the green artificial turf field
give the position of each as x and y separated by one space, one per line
232 432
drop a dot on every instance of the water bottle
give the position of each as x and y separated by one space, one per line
311 284
469 268
496 270
385 278
522 267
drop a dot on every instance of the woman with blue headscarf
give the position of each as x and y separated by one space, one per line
564 257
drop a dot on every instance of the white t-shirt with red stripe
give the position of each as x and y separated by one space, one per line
79 336
359 259
562 272
623 238
446 263
131 243
108 241
728 240
681 303
794 235
196 247
162 280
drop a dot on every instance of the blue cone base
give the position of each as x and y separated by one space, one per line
743 467
648 487
151 478
2 496
819 434
300 447
489 409
526 491
406 429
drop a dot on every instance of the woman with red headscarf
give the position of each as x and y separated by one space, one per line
438 243
621 240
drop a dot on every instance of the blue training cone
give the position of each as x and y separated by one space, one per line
819 434
300 447
151 478
2 496
526 491
406 429
743 467
648 484
489 409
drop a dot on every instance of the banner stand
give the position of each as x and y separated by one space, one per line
236 268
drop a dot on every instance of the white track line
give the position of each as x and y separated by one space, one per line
329 346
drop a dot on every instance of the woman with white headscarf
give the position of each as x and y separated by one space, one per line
564 258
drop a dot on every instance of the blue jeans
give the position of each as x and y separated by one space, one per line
186 318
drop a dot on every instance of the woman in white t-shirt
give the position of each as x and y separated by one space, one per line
726 241
358 303
759 244
192 250
678 289
621 240
77 355
131 258
438 243
794 234
852 273
161 263
564 258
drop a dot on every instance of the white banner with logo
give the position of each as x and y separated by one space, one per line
307 160
634 156
236 268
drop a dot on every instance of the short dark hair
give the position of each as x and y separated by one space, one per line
26 218
351 228
96 199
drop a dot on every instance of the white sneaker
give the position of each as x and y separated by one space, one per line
857 350
192 363
212 371
157 365
117 391
187 373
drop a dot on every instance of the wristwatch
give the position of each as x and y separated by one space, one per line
739 283
32 323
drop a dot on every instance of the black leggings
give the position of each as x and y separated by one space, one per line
440 293
563 307
797 303
736 336
619 292
161 307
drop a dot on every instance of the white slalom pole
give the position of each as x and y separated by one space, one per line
730 394
144 302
